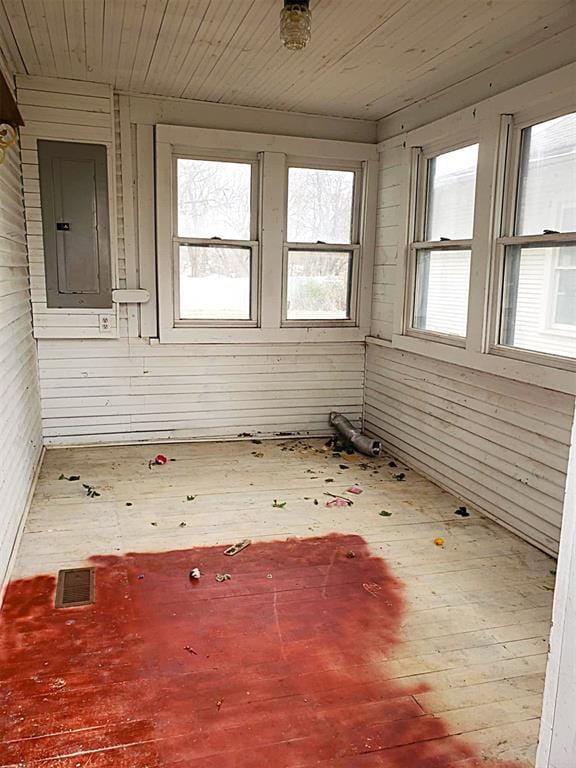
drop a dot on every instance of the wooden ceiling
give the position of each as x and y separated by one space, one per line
367 58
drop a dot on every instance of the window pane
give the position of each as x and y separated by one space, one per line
539 301
547 185
451 191
441 296
214 199
214 283
320 205
318 285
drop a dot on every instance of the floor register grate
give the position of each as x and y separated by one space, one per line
75 587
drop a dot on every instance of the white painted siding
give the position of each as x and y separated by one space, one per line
64 110
128 388
20 428
500 446
113 391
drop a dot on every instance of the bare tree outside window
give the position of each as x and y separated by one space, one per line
214 204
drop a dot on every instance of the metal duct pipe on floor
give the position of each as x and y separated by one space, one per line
362 443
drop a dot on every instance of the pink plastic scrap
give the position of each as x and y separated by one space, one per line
337 503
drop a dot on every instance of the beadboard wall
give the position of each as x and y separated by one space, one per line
20 426
123 386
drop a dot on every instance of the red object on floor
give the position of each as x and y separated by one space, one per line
288 671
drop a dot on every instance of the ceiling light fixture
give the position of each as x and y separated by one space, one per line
295 24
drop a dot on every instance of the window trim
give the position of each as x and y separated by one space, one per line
418 213
273 152
506 200
354 247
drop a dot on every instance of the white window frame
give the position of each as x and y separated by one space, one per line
273 152
490 124
420 165
252 243
506 200
354 247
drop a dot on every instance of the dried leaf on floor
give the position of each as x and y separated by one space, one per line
278 504
385 513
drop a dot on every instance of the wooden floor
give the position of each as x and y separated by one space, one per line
344 638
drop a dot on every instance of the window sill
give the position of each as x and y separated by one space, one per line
528 367
261 335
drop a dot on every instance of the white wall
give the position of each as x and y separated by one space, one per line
500 445
557 745
20 428
121 385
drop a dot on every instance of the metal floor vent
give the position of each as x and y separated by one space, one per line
75 587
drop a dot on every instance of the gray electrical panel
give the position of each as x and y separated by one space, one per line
75 224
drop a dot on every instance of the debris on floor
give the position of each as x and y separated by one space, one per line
71 478
392 464
158 460
347 502
439 541
153 523
223 577
361 442
462 512
190 650
269 576
343 466
219 704
400 476
182 524
91 491
257 442
350 555
385 513
189 497
194 574
235 548
278 504
328 480
337 503
355 489
128 503
257 454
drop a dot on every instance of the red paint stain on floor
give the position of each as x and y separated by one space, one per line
284 665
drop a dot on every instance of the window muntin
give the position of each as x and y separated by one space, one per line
318 285
451 194
322 247
441 291
215 241
320 205
441 252
538 290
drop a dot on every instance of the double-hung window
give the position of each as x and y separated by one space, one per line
215 241
442 246
322 247
537 300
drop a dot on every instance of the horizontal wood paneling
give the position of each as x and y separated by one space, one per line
20 427
113 391
64 110
500 446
